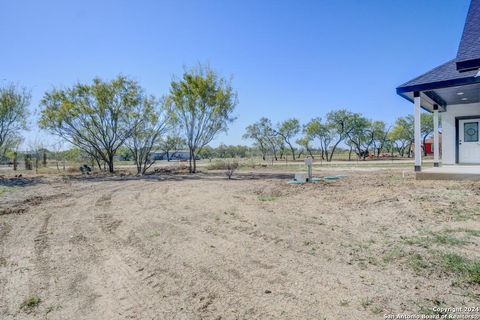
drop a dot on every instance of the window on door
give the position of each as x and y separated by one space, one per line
470 132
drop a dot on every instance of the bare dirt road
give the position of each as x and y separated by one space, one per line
207 248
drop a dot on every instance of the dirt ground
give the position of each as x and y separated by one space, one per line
203 247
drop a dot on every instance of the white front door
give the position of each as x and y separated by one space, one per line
468 141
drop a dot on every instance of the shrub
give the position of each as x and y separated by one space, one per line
30 302
73 170
217 165
230 168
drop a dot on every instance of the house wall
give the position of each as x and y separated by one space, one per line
448 128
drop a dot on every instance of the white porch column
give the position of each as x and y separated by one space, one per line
436 140
418 137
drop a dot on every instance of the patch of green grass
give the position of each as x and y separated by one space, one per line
30 302
421 198
469 270
372 260
417 262
395 253
441 238
433 238
4 189
470 232
458 214
454 263
267 198
366 302
155 233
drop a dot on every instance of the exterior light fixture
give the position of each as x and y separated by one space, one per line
460 93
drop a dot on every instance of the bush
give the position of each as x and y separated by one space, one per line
73 169
217 165
230 168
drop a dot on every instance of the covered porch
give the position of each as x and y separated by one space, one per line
451 92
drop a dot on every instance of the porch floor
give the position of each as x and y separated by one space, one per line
450 172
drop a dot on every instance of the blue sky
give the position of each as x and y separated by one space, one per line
287 58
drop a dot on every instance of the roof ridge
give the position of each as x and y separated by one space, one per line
468 53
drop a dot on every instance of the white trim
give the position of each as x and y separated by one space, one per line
418 136
436 141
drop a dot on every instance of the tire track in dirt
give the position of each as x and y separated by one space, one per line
5 229
42 260
25 205
150 276
128 296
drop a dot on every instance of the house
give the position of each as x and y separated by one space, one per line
180 155
452 89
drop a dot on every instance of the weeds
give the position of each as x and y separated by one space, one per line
366 302
344 303
429 310
267 198
458 214
30 302
470 232
467 270
396 252
376 309
417 262
155 233
52 308
433 238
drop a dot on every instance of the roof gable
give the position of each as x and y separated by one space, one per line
468 55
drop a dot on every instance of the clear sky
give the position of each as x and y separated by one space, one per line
287 58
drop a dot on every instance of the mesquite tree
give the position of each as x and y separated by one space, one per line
288 130
154 121
304 142
257 133
316 129
14 102
361 136
340 124
96 118
203 103
402 135
380 134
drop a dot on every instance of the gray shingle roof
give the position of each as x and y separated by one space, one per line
444 72
468 58
469 48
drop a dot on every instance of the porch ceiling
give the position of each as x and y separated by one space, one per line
443 97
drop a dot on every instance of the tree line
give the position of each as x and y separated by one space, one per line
360 135
101 117
104 119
